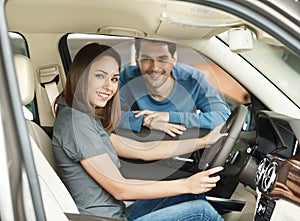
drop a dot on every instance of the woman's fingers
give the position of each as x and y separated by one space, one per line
216 134
209 177
211 172
201 183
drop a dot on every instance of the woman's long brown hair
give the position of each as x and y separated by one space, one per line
76 87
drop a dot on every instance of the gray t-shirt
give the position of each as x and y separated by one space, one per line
78 135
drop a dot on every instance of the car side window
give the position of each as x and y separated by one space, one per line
230 90
123 45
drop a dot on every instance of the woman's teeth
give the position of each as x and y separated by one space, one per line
103 95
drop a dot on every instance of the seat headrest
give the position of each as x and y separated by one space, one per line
25 76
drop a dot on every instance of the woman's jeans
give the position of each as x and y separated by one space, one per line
187 207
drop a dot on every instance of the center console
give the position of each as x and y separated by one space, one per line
278 182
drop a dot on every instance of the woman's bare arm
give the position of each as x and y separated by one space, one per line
104 171
162 149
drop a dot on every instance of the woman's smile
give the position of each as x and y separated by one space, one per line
103 95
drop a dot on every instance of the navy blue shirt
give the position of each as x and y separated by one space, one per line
193 101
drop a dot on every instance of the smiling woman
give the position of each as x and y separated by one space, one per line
100 77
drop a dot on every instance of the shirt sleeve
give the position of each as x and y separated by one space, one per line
83 139
211 110
128 121
207 120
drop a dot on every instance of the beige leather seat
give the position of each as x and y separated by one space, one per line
54 193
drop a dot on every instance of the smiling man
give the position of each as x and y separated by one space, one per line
164 95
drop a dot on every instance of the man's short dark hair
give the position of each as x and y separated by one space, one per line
137 44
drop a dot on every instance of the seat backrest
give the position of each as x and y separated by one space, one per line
53 189
43 141
25 75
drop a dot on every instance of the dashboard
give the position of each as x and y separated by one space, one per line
278 173
278 134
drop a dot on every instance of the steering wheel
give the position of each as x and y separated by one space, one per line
218 153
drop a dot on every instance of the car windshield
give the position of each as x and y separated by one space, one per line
276 63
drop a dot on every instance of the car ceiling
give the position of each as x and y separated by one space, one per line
169 19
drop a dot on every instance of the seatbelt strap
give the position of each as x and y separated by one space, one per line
49 78
52 93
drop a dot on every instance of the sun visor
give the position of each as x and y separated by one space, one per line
191 21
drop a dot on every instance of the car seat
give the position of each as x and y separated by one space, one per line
54 192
